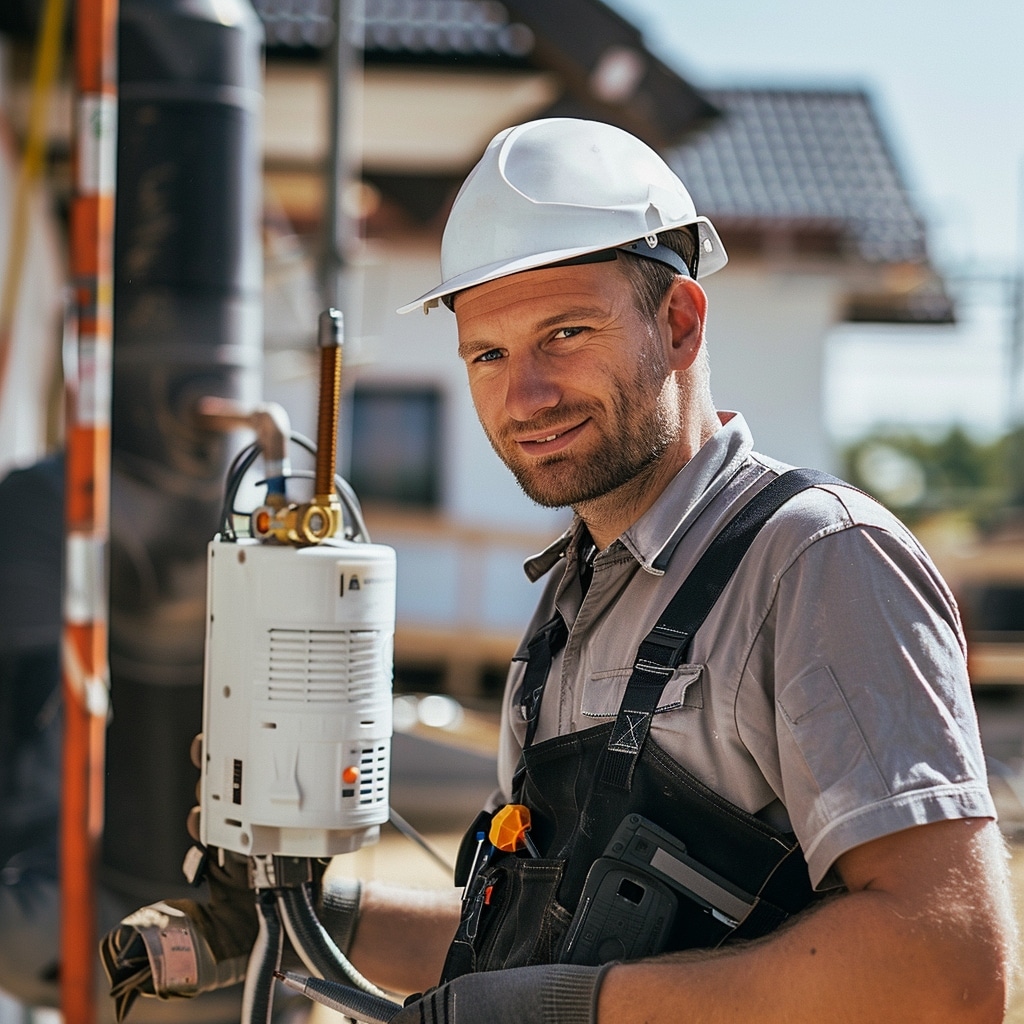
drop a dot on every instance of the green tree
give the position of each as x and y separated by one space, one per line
917 476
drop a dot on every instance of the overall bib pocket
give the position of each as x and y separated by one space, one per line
521 922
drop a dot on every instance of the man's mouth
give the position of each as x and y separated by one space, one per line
554 441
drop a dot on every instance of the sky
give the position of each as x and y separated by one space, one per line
947 80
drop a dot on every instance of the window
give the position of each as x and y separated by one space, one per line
995 609
396 442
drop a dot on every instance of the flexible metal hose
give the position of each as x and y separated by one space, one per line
317 950
265 958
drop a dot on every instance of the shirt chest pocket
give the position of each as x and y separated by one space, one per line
602 692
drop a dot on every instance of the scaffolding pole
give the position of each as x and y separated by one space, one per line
88 369
339 227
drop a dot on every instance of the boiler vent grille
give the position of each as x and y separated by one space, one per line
310 665
373 775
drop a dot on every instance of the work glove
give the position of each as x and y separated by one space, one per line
179 948
545 994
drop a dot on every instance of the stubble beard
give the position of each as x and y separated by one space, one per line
636 442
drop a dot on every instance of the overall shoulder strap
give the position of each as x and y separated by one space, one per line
665 646
542 648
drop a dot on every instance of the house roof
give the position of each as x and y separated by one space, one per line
600 58
815 159
445 28
475 30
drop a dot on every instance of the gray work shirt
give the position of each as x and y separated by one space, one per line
827 686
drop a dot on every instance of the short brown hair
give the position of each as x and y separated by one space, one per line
651 279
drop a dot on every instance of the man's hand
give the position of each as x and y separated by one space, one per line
179 948
547 994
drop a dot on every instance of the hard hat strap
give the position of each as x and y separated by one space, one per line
662 253
641 247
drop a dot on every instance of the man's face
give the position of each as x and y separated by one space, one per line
570 382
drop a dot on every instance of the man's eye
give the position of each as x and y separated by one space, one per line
569 332
489 356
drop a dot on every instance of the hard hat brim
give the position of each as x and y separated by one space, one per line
712 258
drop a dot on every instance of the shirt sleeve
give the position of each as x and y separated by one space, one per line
874 727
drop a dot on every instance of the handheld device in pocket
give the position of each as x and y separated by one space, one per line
624 913
631 896
643 844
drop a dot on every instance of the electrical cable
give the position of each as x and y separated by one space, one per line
243 462
410 832
240 465
264 960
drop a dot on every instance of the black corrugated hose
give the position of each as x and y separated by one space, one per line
258 994
314 945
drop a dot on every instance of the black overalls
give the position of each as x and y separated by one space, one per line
580 787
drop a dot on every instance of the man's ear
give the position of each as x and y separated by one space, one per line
685 306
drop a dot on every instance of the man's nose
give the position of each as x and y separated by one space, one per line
531 388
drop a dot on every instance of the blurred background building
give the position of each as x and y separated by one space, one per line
803 183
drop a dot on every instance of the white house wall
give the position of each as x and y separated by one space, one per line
766 334
27 381
461 583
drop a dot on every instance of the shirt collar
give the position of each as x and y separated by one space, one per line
653 538
541 563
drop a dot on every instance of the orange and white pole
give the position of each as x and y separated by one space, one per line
87 501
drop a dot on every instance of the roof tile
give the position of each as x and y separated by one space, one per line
816 155
476 28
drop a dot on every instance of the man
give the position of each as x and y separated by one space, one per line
815 750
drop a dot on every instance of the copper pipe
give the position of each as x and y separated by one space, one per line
331 334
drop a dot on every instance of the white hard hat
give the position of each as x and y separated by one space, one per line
555 189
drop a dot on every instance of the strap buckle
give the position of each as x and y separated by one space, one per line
670 644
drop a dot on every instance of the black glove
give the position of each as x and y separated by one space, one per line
546 994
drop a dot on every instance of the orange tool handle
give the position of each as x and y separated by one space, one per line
510 829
